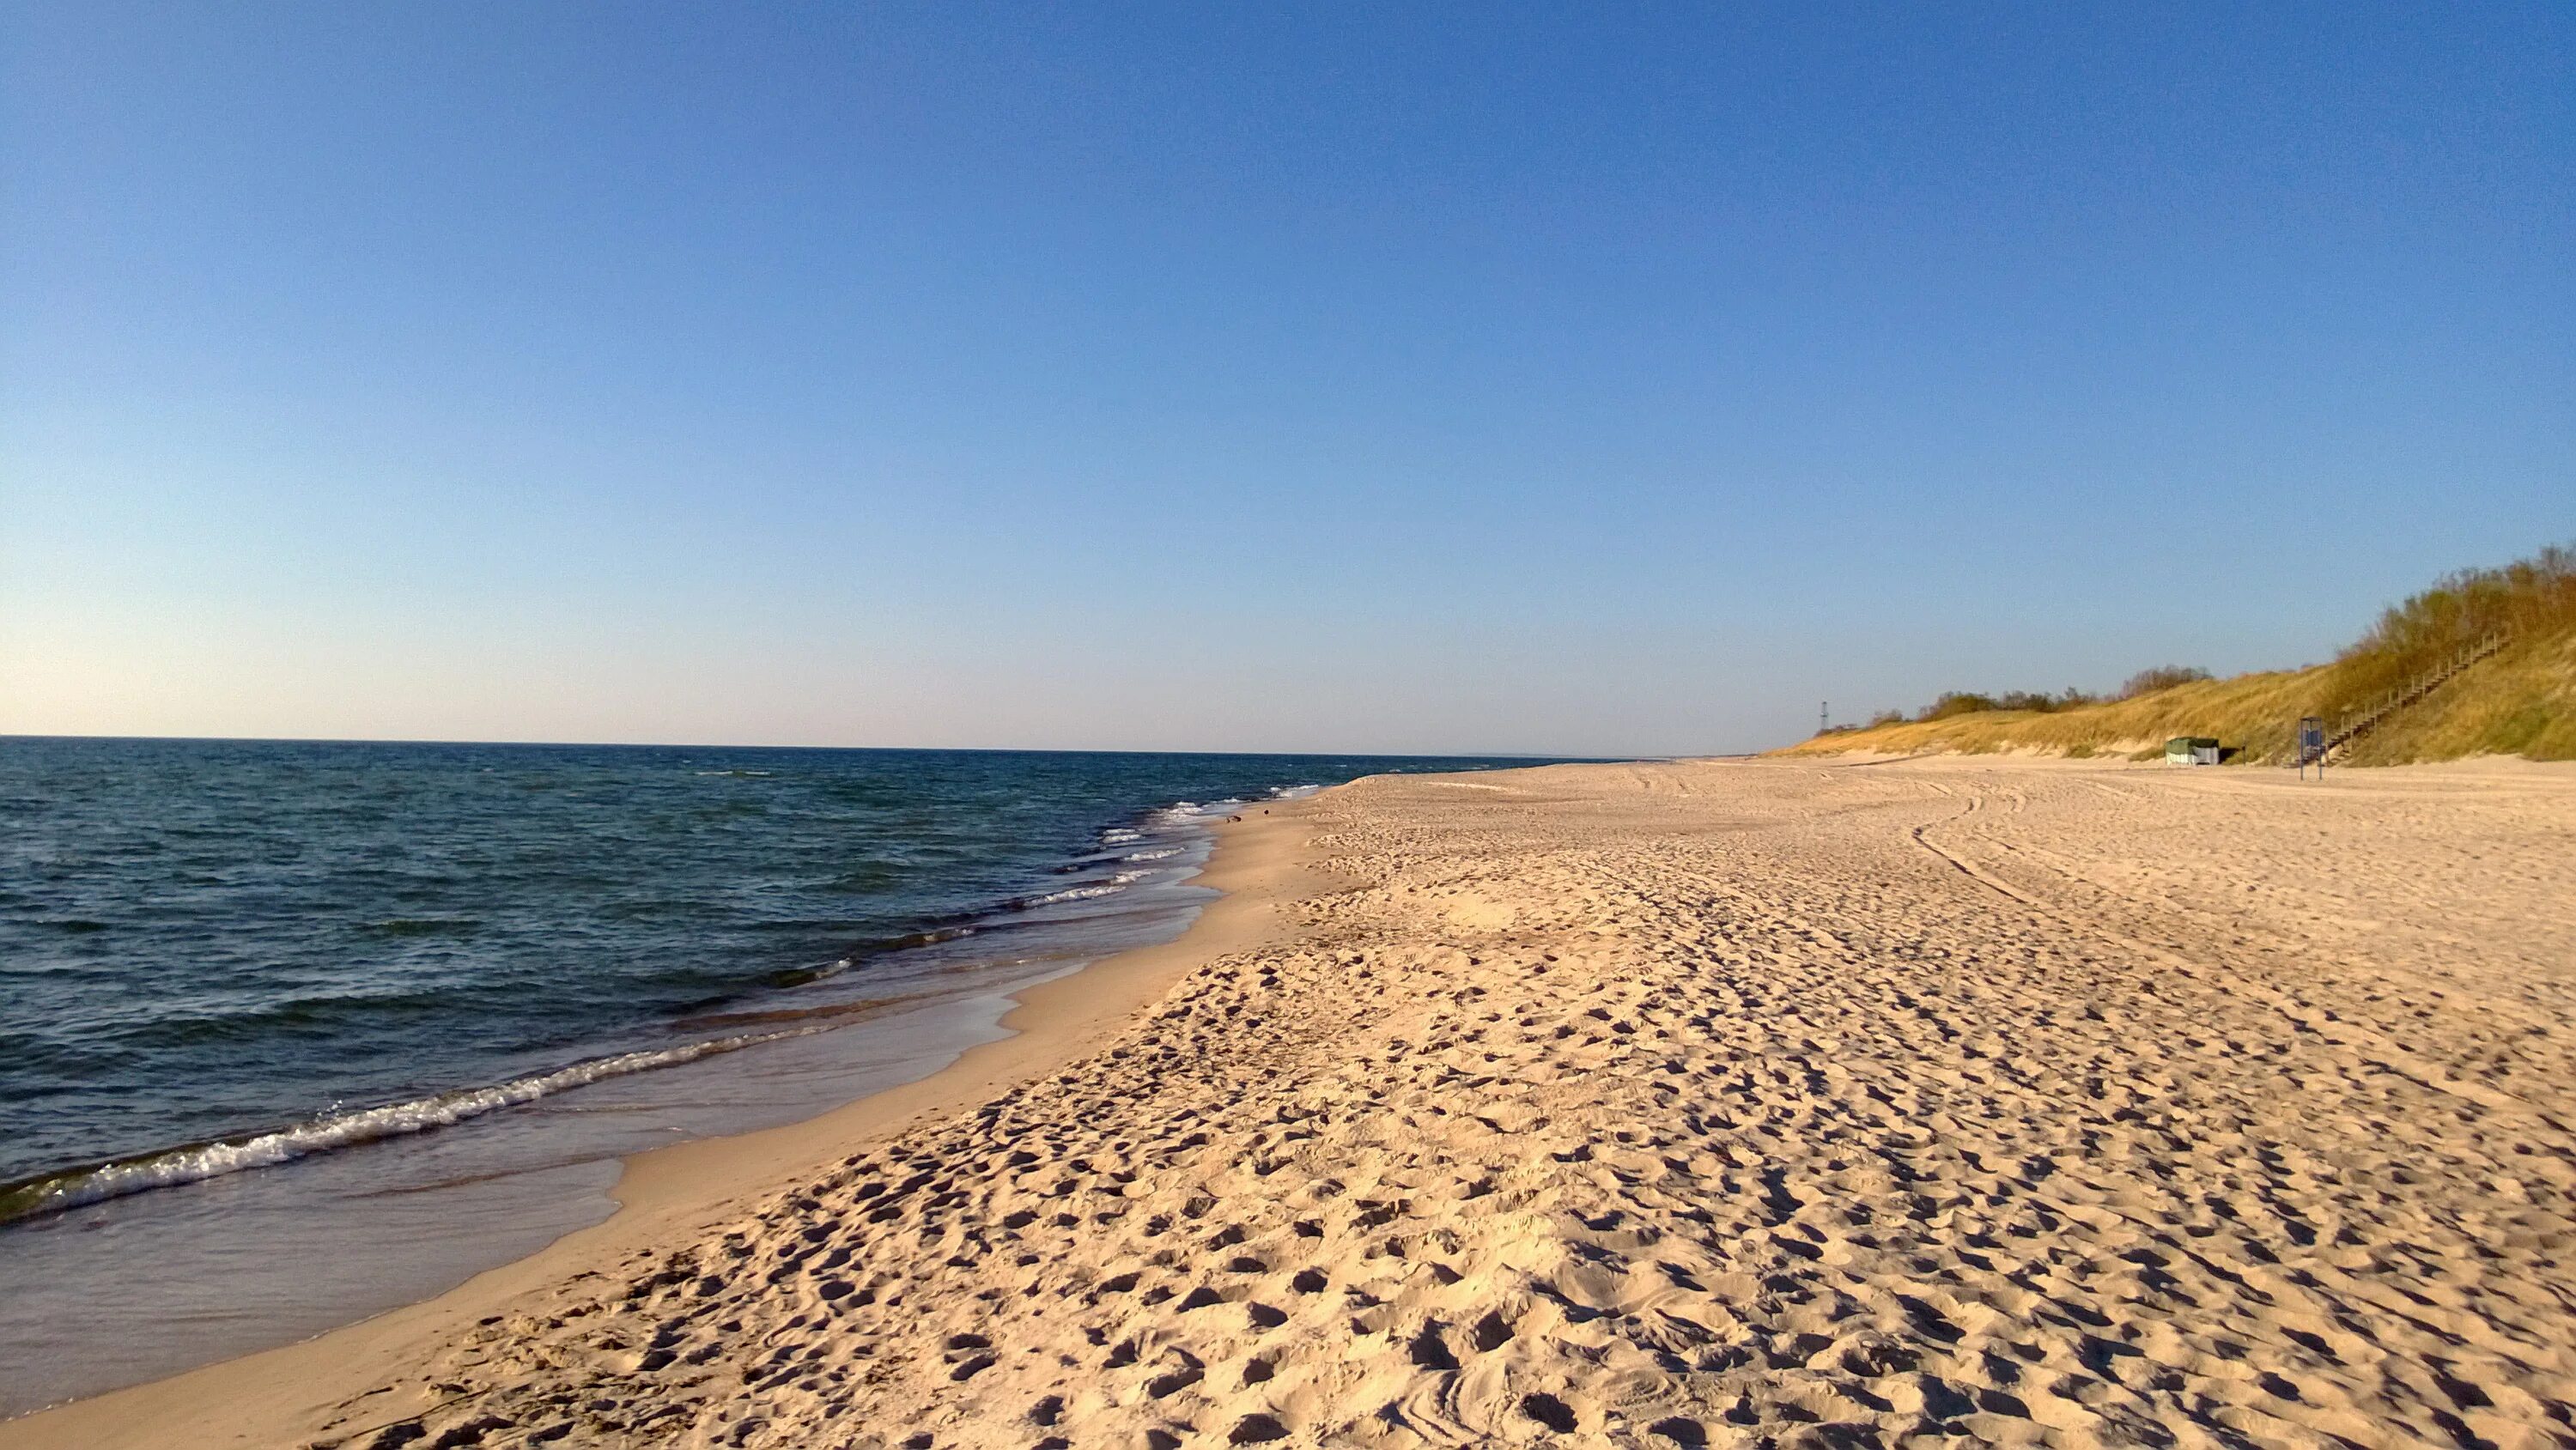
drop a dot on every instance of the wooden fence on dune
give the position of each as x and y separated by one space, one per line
2353 724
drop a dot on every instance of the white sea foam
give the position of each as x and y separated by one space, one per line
337 1130
1192 813
1077 893
1159 853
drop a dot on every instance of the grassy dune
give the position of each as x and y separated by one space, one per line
2521 701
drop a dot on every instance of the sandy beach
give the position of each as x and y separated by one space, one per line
1758 1103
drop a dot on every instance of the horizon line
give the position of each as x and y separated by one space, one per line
8 735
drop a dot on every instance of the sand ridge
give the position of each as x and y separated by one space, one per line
1702 1104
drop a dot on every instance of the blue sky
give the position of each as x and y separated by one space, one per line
1587 379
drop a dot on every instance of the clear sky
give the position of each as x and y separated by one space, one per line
1616 379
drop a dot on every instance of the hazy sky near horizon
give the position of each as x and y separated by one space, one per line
1613 380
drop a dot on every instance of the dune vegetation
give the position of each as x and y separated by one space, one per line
2520 700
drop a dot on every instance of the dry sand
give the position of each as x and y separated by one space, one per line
1766 1103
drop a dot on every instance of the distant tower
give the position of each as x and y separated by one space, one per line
1824 716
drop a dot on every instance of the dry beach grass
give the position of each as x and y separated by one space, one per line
2520 702
1705 1103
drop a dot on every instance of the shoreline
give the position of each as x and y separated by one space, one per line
272 1396
1686 1103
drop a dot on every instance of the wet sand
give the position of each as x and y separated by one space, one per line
1721 1103
248 1261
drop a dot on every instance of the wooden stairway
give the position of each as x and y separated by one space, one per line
2354 724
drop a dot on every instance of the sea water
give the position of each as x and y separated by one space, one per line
294 1032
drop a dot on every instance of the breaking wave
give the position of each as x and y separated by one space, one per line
169 1167
1109 886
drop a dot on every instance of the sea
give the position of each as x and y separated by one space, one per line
295 1032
